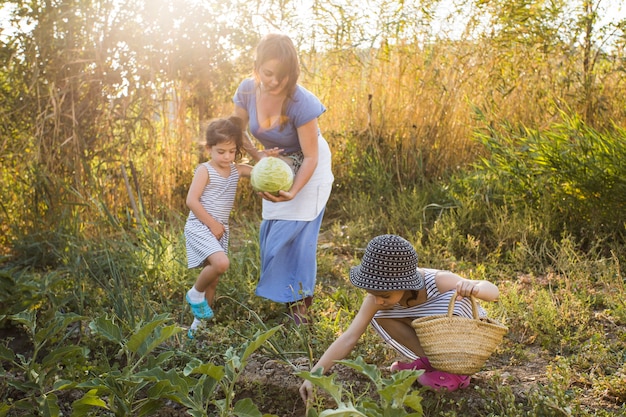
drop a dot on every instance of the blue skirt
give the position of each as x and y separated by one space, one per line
288 259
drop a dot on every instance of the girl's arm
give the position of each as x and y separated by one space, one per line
200 181
244 170
307 135
344 344
248 144
481 289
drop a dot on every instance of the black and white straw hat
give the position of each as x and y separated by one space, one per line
389 264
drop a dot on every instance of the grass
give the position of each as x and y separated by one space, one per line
562 297
572 314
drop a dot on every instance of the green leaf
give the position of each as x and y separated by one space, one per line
143 336
57 325
343 411
107 328
371 408
258 342
164 379
89 400
358 364
195 366
402 382
7 354
327 383
414 400
63 355
312 412
159 336
97 384
26 318
63 384
204 388
49 406
246 408
149 408
26 386
153 362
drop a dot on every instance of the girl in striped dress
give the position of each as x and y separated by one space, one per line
398 292
210 200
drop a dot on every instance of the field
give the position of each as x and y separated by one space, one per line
497 152
99 331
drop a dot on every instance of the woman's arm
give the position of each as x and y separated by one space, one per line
307 136
344 344
244 170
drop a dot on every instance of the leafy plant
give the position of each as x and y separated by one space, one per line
37 376
226 377
395 394
121 382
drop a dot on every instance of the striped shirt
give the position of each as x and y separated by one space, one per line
436 303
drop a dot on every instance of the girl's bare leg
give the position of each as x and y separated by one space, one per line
401 330
208 278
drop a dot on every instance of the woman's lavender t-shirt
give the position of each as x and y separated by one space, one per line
303 108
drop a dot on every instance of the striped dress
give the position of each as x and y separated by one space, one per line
217 199
436 303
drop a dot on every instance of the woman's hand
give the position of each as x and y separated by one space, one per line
271 152
282 196
306 391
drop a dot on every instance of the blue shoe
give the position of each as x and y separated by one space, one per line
200 310
190 333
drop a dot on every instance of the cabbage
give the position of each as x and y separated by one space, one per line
270 175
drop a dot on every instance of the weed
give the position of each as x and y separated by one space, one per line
396 394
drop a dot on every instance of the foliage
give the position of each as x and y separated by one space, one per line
106 99
102 103
396 393
133 381
227 377
571 175
120 382
38 371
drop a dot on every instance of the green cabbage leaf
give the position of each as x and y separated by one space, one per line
271 174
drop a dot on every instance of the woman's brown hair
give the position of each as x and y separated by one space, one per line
280 47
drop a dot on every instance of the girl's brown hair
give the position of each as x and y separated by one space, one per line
228 129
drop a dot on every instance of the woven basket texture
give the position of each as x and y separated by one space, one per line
458 345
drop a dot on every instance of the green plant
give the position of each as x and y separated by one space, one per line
120 382
226 377
38 376
571 173
395 394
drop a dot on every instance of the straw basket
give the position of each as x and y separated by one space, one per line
458 345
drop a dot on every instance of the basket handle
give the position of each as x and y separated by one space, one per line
474 306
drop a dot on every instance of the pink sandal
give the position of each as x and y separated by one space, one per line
439 380
419 363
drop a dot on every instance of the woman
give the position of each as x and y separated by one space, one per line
281 114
